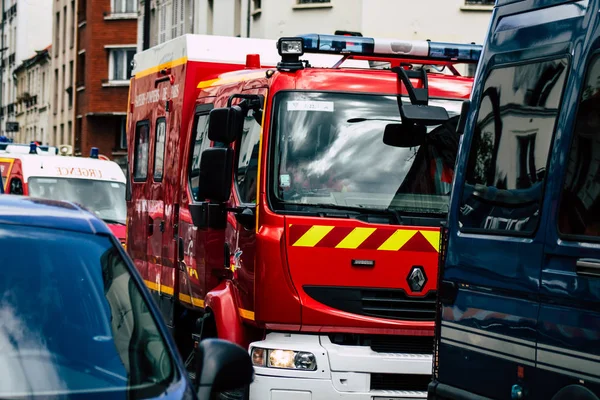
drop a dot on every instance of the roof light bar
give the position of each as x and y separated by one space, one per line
366 46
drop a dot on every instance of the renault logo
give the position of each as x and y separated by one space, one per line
416 278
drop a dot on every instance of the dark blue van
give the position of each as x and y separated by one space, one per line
519 289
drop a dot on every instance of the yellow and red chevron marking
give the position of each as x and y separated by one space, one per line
342 237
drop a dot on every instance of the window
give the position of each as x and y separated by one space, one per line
69 131
162 23
124 6
201 143
55 91
69 85
177 18
81 70
256 5
54 138
247 162
62 92
140 162
509 151
64 29
123 134
237 19
210 17
579 210
62 133
159 149
120 64
56 34
43 88
72 27
89 309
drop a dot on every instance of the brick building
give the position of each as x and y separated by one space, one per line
106 43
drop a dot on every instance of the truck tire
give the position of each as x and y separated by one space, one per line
575 392
240 394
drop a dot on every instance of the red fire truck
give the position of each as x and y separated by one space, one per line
295 209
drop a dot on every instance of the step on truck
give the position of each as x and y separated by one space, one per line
519 298
294 206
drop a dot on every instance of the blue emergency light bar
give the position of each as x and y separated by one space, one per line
366 46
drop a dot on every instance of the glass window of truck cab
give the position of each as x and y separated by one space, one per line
142 148
328 149
200 142
246 168
75 320
509 150
579 207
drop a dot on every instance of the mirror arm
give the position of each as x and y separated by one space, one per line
251 101
418 96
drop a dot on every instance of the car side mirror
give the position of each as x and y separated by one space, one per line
216 174
221 366
225 124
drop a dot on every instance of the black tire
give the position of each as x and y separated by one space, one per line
241 394
575 392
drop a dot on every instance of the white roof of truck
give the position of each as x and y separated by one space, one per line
225 50
68 167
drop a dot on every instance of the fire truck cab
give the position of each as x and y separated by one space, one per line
97 185
295 209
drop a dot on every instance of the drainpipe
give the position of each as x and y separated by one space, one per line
146 32
247 18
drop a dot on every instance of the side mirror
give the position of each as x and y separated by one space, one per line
216 174
464 113
423 114
404 135
225 124
221 366
246 218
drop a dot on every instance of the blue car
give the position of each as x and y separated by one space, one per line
76 320
519 288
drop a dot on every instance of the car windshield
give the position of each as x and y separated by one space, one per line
72 319
330 151
103 198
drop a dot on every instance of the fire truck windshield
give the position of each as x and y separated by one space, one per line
103 198
329 150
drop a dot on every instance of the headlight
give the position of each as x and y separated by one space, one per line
286 359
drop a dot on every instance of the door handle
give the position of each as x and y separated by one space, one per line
588 267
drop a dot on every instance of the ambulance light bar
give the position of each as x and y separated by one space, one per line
366 46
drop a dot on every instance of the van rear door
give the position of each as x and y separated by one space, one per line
568 350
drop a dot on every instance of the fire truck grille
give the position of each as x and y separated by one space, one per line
407 382
386 343
382 303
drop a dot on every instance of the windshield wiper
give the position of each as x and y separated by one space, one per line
357 210
112 221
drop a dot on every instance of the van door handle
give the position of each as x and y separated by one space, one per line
588 267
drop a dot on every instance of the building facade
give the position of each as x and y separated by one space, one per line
26 27
32 105
63 71
462 21
106 44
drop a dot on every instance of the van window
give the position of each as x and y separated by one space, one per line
200 143
507 160
16 186
579 212
247 163
140 162
159 149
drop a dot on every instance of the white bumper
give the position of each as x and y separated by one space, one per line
343 372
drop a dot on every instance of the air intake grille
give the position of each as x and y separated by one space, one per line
386 343
382 303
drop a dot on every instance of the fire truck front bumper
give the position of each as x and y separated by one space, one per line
311 367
